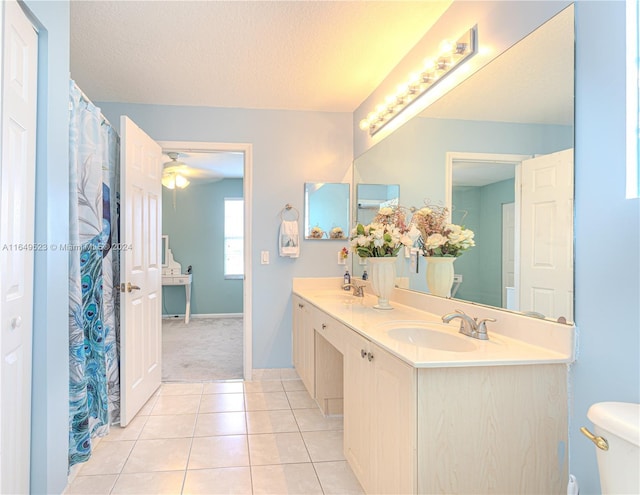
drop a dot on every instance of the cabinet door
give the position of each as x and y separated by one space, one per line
357 413
298 318
393 429
303 344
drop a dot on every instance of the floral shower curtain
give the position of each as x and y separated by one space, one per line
94 279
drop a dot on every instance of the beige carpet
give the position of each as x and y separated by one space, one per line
204 350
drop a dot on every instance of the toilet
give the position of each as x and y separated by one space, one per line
619 424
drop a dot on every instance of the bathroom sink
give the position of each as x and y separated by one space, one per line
424 335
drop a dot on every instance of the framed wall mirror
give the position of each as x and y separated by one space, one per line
473 150
326 211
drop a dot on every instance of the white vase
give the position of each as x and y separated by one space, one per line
440 275
383 279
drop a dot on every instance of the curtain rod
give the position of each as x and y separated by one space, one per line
88 100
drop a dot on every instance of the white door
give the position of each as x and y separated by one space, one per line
140 268
17 199
546 259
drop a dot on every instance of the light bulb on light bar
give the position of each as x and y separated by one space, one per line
451 55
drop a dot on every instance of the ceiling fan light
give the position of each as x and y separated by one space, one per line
181 181
169 181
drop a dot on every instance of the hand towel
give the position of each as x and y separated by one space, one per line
289 240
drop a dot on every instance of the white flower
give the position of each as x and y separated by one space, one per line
385 211
424 211
434 241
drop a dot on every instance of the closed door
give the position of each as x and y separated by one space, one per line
140 269
17 199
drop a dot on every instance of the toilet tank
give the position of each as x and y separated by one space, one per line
619 424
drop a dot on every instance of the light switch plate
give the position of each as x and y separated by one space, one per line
264 257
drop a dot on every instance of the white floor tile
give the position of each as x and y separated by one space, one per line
146 409
176 404
173 426
234 480
324 445
268 401
225 423
293 385
280 421
223 388
100 484
222 403
216 452
313 420
301 400
181 389
294 479
131 432
277 448
160 483
158 455
254 387
107 458
337 478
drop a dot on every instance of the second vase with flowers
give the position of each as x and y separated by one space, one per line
379 242
441 243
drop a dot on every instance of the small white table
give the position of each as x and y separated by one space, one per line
181 279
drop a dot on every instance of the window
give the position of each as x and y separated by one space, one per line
233 238
633 100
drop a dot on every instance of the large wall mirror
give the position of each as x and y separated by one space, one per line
498 151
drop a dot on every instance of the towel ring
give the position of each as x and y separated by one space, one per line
287 208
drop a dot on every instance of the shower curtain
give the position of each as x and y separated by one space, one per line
94 279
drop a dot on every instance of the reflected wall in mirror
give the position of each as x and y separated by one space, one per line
518 107
326 210
371 197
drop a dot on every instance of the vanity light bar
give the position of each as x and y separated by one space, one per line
451 55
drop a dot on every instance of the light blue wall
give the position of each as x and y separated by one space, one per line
607 273
289 149
196 237
481 267
50 396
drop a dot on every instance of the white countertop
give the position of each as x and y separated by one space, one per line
358 314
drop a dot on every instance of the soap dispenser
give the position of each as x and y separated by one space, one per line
347 279
365 275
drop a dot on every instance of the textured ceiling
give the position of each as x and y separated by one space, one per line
296 55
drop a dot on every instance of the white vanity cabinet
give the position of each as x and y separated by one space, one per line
304 343
443 428
379 417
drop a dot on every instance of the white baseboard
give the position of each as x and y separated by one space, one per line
203 315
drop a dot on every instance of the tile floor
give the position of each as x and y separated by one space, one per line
261 437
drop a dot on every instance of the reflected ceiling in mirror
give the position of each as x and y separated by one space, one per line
520 104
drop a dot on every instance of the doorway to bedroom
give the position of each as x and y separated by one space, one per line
205 253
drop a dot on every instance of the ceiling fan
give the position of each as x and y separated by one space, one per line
173 173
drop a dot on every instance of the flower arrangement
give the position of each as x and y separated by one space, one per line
384 236
316 233
438 237
336 233
344 253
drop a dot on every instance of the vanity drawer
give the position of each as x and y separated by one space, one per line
332 330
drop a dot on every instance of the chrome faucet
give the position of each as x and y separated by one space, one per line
358 290
470 327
